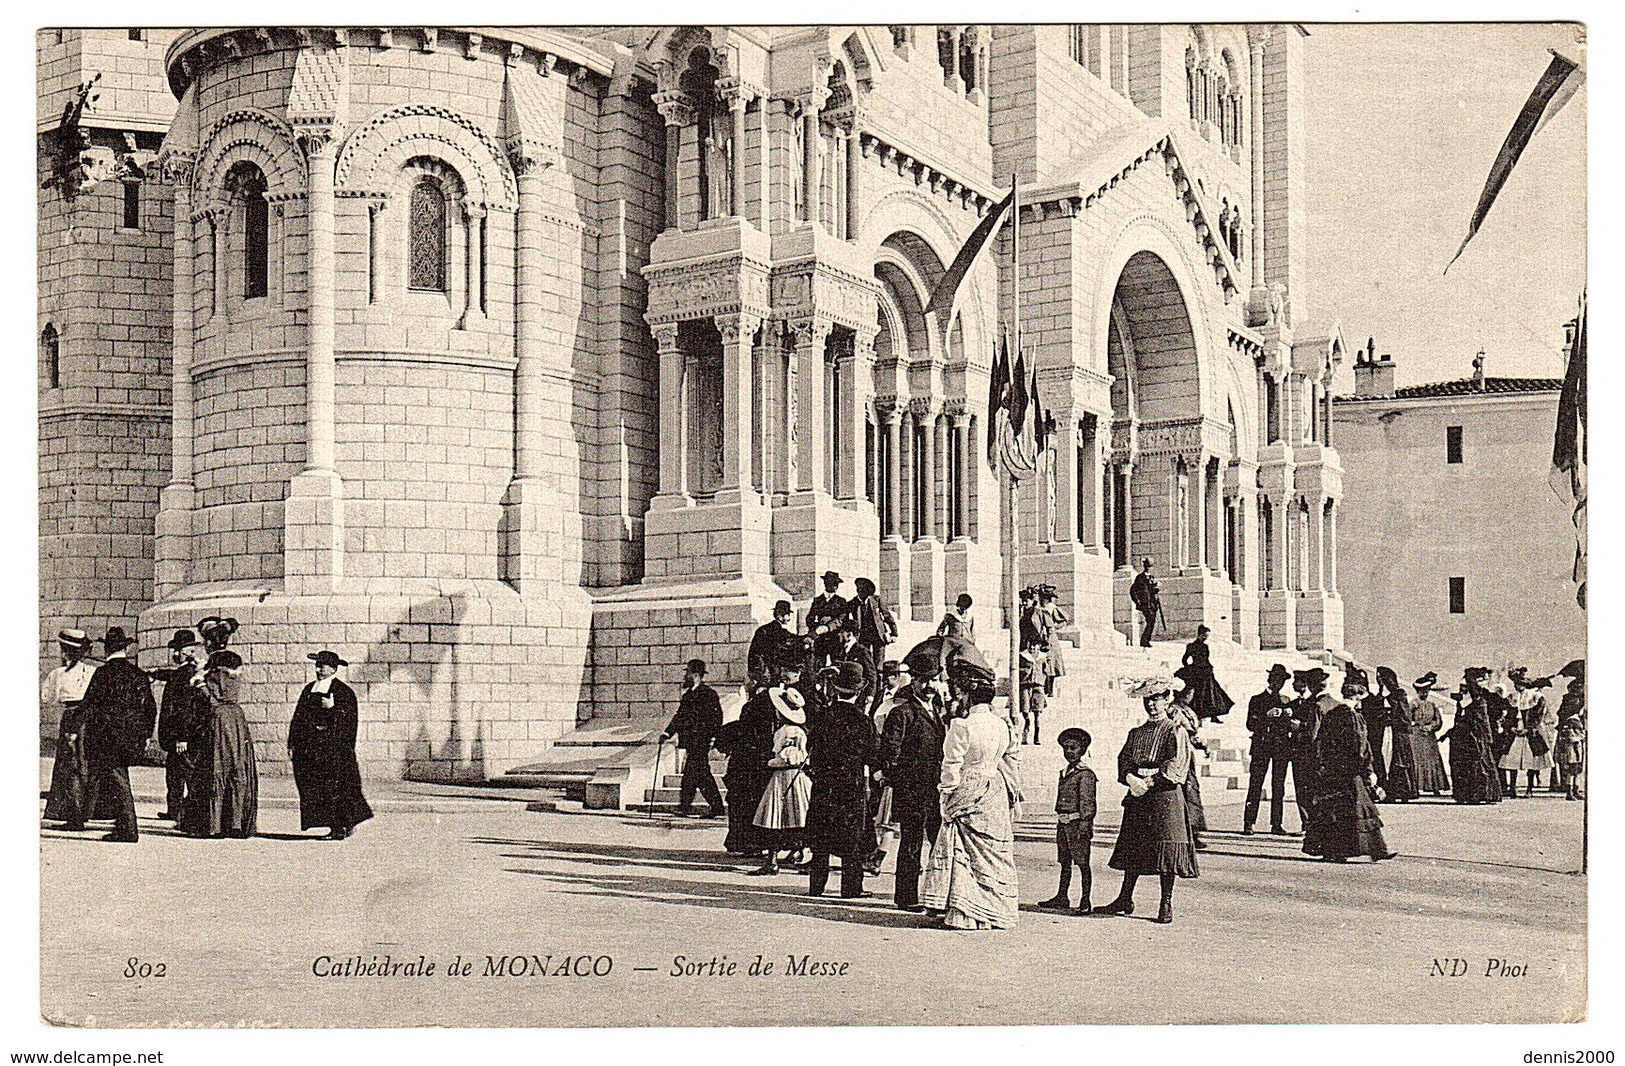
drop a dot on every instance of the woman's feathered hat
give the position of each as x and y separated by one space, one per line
1144 688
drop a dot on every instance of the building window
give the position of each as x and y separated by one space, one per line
1452 444
51 356
138 35
132 205
427 242
256 242
1458 595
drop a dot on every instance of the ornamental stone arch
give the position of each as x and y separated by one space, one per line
378 149
254 136
916 217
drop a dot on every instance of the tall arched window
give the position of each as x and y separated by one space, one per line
247 187
427 236
51 357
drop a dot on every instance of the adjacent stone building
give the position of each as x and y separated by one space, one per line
1457 550
522 365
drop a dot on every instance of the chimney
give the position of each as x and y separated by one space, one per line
1478 371
1373 374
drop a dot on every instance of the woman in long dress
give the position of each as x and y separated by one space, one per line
1208 698
1347 821
748 743
224 796
971 876
321 743
1525 746
1155 837
1055 620
1427 719
781 815
1401 786
1473 776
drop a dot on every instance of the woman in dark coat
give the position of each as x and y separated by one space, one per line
1155 837
1401 786
1474 777
1346 820
321 743
841 745
747 741
223 796
1208 698
1426 722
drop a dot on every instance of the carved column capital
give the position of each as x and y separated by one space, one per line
922 406
810 331
675 107
734 326
665 335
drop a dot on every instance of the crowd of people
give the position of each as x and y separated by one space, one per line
109 721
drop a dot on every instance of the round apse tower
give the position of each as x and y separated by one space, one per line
378 288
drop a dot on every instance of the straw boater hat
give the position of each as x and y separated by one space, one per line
73 638
789 703
1146 687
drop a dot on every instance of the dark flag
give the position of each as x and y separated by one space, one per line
1019 398
1561 81
1041 417
1568 477
942 297
998 394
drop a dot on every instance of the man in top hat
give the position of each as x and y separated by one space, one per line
61 694
695 725
1307 710
772 645
178 711
911 763
119 715
1146 596
1269 720
829 614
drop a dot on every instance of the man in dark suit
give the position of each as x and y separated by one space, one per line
1307 711
911 761
696 724
829 614
119 715
177 714
1269 720
1146 596
772 645
855 651
876 628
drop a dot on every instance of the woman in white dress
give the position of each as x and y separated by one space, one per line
971 877
1527 748
782 813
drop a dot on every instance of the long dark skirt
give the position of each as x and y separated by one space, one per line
329 784
70 772
1208 698
1155 837
1195 813
1402 778
1430 775
1346 822
744 796
1473 774
224 796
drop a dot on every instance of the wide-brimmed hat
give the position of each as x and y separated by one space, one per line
183 638
790 704
1280 673
967 674
893 668
215 627
1143 688
1575 668
1518 673
116 639
326 658
830 575
224 659
73 638
1312 677
1427 680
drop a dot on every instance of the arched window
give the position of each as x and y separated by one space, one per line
247 187
427 236
51 357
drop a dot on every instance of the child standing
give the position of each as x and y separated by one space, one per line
1074 819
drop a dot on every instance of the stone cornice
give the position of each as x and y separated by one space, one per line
890 152
143 411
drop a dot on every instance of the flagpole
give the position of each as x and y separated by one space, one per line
1012 598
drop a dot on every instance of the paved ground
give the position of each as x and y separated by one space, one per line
1263 935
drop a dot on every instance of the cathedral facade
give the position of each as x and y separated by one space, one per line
523 365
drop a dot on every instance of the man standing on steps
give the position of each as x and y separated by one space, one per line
829 614
1146 596
696 724
1269 720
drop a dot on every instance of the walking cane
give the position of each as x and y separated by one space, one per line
654 785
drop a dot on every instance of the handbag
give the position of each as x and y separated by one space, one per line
1137 785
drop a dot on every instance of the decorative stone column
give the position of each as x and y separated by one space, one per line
935 482
1331 547
314 512
905 482
1258 38
854 171
473 225
1065 451
172 553
965 466
812 145
673 413
1196 503
859 380
738 341
892 421
811 336
738 98
675 107
952 78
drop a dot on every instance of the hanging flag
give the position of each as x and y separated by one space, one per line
1561 81
1041 417
1568 477
998 394
1019 399
942 297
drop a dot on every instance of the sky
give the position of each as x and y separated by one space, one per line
1403 123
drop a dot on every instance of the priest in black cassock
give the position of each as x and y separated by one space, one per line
321 742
